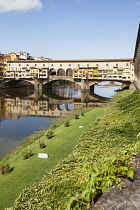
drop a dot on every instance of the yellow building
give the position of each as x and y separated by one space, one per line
13 56
5 68
86 73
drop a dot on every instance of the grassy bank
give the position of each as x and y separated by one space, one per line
29 171
100 158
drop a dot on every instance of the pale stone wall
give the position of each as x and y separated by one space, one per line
25 69
137 60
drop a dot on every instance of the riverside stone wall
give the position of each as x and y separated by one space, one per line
137 60
127 199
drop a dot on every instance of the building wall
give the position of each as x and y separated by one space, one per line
103 69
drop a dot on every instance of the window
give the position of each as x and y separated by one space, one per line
52 64
9 64
127 64
43 65
97 65
78 65
116 64
35 64
27 64
69 64
107 64
87 65
60 65
19 64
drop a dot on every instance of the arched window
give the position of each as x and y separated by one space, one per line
61 72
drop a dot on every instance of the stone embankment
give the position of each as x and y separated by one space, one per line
127 199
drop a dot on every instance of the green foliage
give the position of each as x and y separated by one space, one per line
83 113
42 144
54 126
5 169
67 124
26 153
49 134
99 179
103 155
76 116
34 168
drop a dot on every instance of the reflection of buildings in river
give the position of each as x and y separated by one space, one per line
86 105
64 93
43 105
17 107
26 107
2 106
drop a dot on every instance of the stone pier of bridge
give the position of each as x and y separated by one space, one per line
85 84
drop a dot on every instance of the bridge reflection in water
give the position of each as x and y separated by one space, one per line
49 103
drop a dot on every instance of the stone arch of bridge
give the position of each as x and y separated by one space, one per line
17 83
55 79
126 82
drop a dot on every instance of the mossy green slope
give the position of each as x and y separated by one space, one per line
114 138
29 171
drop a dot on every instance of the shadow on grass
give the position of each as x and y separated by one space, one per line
25 158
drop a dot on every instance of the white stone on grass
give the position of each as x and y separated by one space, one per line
80 126
43 155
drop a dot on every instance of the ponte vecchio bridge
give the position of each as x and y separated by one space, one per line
85 73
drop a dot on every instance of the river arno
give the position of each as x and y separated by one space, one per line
24 111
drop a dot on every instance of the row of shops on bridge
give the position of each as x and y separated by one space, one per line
104 69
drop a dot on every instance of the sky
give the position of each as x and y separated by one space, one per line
70 29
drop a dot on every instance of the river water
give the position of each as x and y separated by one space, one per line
24 111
